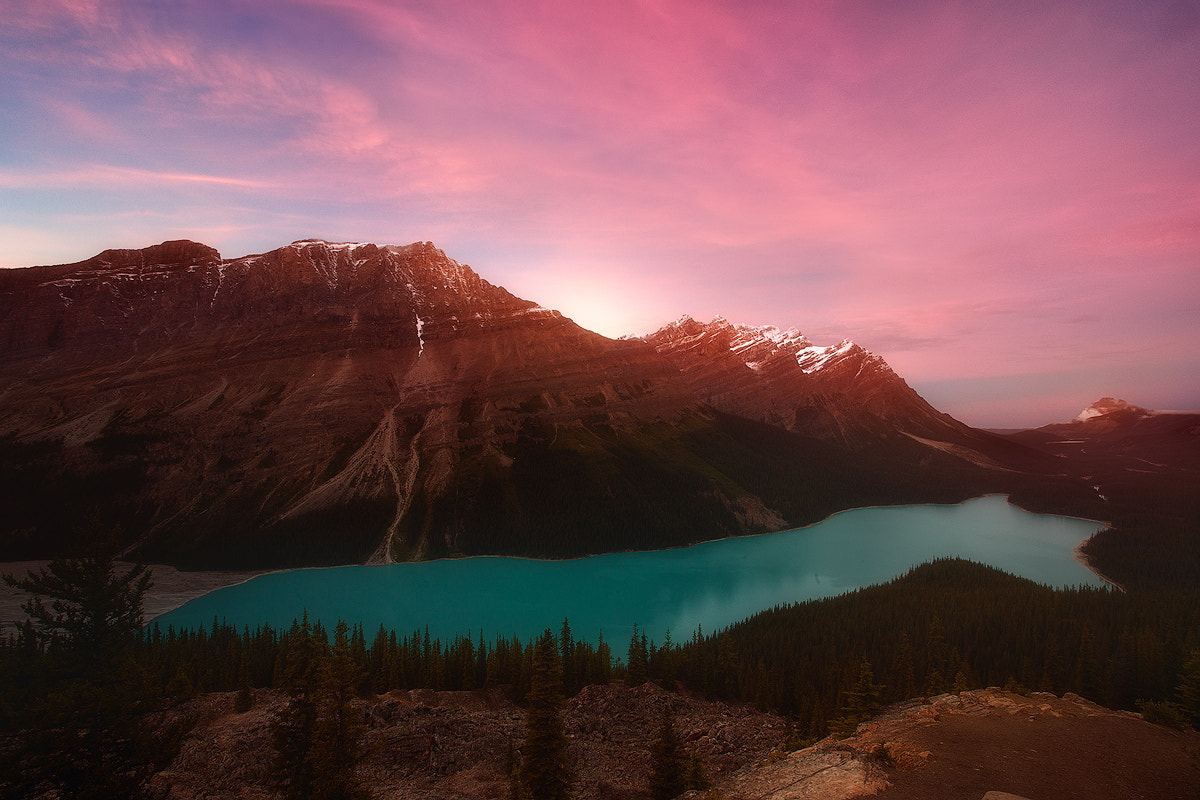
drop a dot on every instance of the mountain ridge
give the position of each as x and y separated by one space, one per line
332 402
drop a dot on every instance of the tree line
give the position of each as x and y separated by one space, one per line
83 685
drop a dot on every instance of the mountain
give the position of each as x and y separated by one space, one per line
1116 434
841 393
337 403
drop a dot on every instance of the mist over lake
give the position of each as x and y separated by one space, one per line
709 585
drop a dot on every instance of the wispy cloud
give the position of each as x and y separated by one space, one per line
954 183
115 177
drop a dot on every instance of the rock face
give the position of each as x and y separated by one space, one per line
978 744
275 387
841 393
336 403
453 745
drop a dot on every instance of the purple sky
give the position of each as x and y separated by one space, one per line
1002 199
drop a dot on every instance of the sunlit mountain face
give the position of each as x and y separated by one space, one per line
338 402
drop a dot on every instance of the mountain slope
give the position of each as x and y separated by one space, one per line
334 403
841 394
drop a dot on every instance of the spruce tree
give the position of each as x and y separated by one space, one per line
295 726
545 774
666 761
637 663
862 700
86 734
569 667
337 742
1188 689
94 614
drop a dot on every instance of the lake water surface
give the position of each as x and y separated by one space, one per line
710 585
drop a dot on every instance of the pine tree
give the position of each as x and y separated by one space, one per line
637 663
86 735
94 614
294 728
1188 689
545 774
862 700
666 761
337 741
569 666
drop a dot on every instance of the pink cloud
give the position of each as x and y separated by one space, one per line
942 179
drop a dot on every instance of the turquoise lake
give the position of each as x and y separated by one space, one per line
710 585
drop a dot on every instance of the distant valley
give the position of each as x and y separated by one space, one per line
330 403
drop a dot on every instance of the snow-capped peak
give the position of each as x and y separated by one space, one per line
1107 405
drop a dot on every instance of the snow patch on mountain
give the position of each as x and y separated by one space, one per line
1108 405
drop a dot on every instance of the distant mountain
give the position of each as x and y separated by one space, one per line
1119 434
334 403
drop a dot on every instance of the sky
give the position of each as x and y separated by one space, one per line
1001 199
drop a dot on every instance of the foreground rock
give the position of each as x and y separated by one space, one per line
452 746
987 743
425 745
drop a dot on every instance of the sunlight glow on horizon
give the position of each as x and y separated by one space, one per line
1003 202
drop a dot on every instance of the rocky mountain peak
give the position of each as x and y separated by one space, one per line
1113 409
316 403
178 253
841 392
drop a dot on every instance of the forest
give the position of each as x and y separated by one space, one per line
84 683
86 689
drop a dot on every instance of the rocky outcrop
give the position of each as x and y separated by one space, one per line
978 744
988 744
452 745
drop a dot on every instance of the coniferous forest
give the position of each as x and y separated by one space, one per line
84 687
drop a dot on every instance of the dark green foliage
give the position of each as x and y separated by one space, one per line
1163 712
1188 690
637 661
975 624
667 761
233 537
318 736
558 491
93 614
944 626
294 729
337 746
860 702
57 507
545 774
82 705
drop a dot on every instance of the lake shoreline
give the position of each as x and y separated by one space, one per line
711 584
173 588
